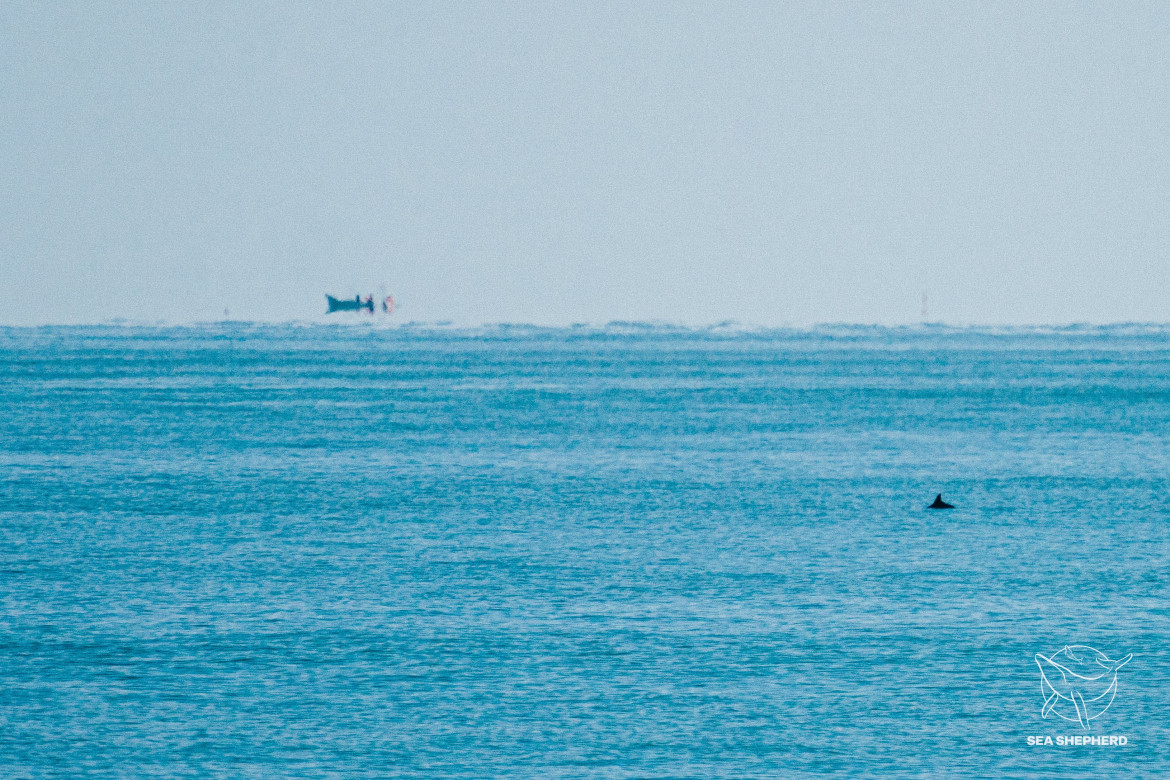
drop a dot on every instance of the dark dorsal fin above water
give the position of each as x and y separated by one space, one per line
940 504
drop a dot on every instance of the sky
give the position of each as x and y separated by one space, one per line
554 162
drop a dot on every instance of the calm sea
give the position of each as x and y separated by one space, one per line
242 551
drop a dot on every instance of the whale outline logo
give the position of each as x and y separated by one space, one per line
1082 676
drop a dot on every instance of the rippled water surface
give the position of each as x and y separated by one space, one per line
237 551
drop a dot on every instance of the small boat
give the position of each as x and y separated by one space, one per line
357 304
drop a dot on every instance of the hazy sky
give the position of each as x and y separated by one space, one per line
771 163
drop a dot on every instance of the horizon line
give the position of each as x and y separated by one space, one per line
383 323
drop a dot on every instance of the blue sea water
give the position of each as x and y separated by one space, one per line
240 551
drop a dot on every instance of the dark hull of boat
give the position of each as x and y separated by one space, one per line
347 305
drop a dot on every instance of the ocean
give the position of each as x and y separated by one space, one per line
308 551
